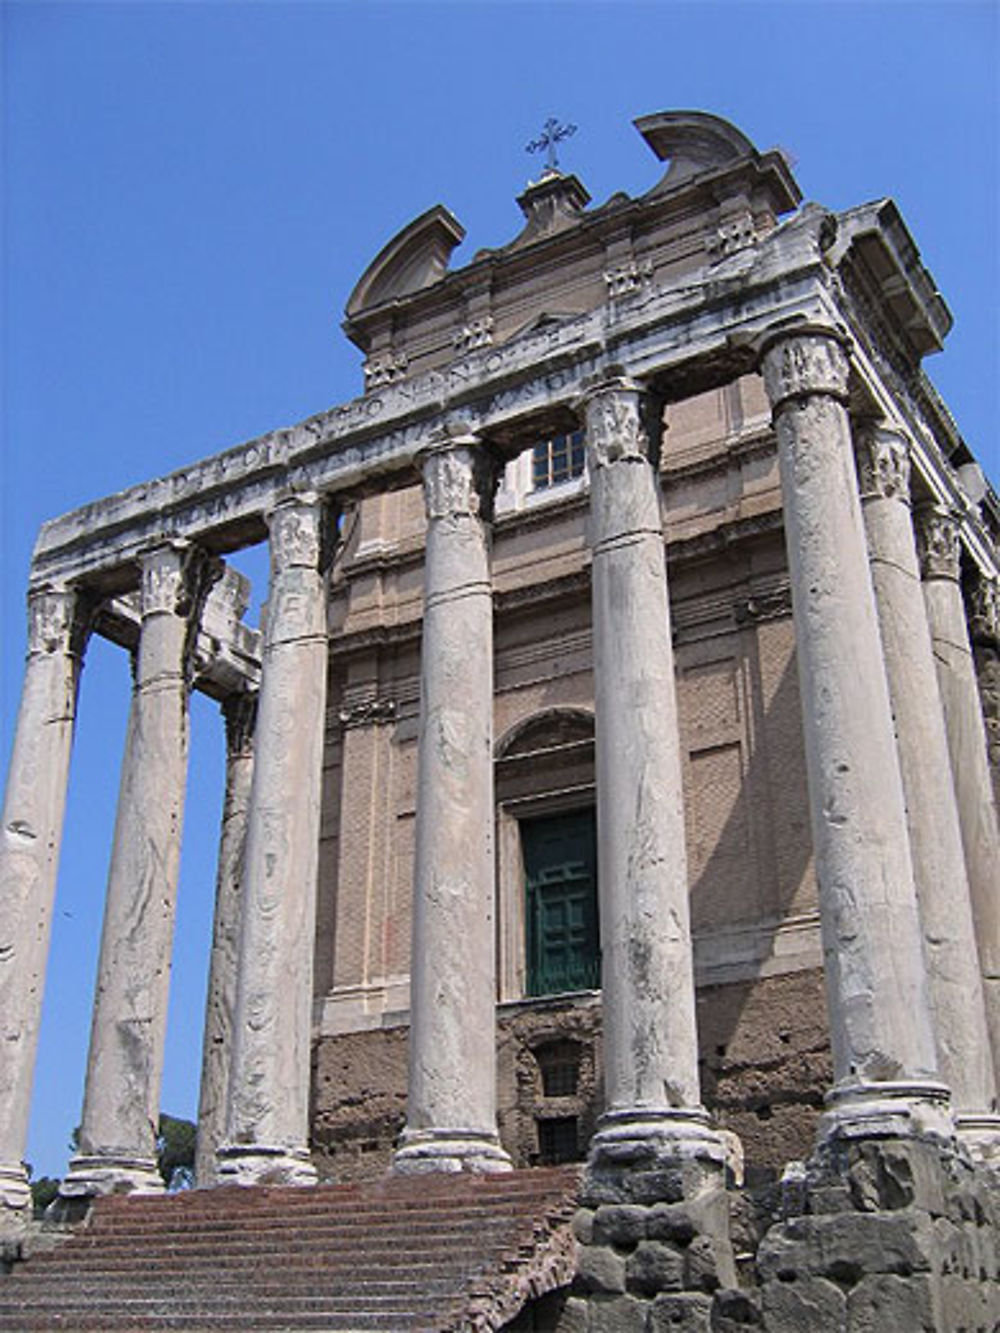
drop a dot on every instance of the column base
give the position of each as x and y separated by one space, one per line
449 1150
111 1173
15 1202
894 1110
980 1135
263 1164
654 1154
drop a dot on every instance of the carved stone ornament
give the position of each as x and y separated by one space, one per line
387 369
53 621
163 583
460 477
615 425
984 611
240 713
294 525
624 279
796 364
369 713
776 604
475 333
730 237
937 542
883 458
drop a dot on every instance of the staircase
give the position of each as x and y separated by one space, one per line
408 1254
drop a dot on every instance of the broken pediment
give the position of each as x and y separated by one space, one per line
415 258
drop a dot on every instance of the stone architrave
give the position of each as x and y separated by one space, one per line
964 1058
267 1118
117 1150
451 1108
937 534
30 837
984 626
884 1059
652 1096
240 713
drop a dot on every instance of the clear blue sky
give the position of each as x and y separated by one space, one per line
191 191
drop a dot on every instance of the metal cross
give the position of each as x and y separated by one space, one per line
552 133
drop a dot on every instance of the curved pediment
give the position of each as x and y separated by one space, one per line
692 142
415 258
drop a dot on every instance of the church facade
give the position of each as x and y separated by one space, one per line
612 776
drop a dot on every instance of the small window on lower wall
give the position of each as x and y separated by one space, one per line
558 1140
559 1063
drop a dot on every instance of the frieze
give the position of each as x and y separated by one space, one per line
797 364
369 713
883 461
937 542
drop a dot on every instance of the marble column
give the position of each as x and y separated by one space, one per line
984 625
652 1098
884 1059
937 534
956 994
267 1118
451 1108
117 1150
29 856
240 713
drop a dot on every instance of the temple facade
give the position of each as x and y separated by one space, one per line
612 775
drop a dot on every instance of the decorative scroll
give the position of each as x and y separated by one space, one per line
937 542
883 459
795 365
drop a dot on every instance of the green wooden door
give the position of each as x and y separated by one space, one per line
560 870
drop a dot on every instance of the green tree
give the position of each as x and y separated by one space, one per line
43 1191
175 1143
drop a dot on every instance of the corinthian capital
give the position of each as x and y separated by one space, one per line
883 459
984 612
616 415
799 362
57 621
460 477
295 526
937 542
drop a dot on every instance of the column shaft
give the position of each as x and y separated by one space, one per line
240 712
30 837
649 1029
883 1045
938 535
984 622
121 1101
267 1119
955 989
451 1108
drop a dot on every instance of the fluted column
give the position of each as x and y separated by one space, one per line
451 1107
29 857
650 1044
121 1104
937 533
883 1045
956 994
267 1119
240 713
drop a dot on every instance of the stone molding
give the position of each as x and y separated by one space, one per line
802 361
883 462
938 545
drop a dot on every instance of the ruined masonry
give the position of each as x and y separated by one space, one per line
612 779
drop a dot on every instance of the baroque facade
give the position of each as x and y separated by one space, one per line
611 777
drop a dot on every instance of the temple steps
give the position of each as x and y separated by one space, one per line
402 1255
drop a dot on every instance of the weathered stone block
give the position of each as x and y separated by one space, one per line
705 1265
619 1224
846 1246
892 1175
885 1301
600 1269
707 1214
812 1303
574 1316
654 1267
583 1225
681 1313
623 1314
734 1310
